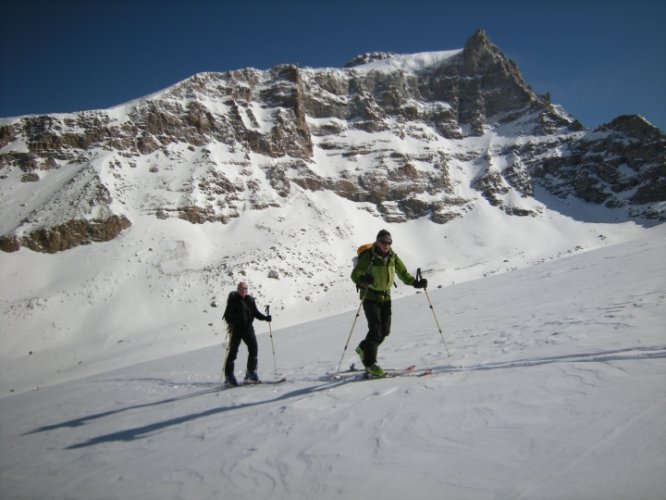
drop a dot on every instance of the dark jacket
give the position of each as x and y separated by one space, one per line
241 311
383 269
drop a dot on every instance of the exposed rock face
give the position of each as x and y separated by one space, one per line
621 164
65 236
426 135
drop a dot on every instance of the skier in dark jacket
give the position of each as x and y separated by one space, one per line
374 275
239 314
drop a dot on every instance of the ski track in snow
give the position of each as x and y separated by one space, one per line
554 389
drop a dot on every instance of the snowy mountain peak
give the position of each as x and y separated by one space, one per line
405 137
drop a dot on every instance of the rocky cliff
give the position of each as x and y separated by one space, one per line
403 136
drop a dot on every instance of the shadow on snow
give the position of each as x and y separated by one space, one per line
132 434
139 432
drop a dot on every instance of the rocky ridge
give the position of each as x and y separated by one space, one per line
404 137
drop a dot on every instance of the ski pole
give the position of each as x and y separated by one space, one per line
358 312
270 332
418 277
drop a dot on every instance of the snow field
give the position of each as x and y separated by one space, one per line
554 389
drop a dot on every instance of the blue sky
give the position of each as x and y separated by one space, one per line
598 58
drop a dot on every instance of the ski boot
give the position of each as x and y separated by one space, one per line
230 381
251 378
374 371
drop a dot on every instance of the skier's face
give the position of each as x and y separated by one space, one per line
384 244
243 289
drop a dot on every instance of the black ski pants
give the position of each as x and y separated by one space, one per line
250 340
378 315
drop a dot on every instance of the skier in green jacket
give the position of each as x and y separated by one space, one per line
374 275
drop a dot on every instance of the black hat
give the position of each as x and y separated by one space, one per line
383 234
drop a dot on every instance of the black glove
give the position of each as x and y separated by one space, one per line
269 318
422 283
366 280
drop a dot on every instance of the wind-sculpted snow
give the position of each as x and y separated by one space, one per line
554 389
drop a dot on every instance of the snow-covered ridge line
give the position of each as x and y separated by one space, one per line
409 63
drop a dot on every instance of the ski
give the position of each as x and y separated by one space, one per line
354 369
273 382
410 371
354 373
390 372
260 382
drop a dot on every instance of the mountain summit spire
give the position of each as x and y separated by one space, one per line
479 37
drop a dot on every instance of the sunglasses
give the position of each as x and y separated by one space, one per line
386 242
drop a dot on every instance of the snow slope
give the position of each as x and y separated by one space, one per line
554 390
159 289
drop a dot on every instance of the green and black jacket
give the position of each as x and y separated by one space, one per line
383 270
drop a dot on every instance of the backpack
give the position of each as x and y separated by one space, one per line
362 249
